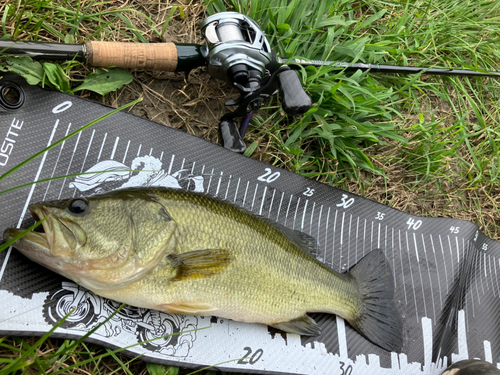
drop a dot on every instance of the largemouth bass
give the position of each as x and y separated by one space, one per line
187 253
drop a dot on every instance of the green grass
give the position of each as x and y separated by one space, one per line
433 139
356 110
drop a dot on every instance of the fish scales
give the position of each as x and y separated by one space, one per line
271 279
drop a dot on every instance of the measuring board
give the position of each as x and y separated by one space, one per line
445 270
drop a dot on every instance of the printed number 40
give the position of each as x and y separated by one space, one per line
412 224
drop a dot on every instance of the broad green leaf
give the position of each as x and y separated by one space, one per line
69 39
283 26
57 77
105 81
30 70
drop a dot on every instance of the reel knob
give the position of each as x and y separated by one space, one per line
295 100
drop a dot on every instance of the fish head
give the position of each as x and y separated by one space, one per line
102 242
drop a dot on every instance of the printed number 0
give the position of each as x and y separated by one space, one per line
62 107
268 176
251 359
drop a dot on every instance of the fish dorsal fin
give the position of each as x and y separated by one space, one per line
305 242
303 325
199 264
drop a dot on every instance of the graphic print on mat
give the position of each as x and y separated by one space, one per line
145 171
427 255
167 334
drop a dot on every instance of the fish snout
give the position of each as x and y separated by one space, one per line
10 233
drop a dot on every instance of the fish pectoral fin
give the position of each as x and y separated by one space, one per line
303 325
199 263
187 308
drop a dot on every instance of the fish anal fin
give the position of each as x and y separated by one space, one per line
199 264
303 325
187 308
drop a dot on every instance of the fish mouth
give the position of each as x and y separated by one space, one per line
37 245
36 240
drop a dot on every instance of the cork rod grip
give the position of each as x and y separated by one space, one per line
141 56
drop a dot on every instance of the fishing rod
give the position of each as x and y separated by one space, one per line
236 50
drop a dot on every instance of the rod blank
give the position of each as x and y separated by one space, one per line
43 51
392 68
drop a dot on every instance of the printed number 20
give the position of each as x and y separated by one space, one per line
249 357
268 176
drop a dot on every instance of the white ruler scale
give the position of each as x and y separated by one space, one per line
445 270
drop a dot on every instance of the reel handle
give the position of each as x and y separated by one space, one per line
295 100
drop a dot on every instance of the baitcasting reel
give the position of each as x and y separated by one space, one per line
237 51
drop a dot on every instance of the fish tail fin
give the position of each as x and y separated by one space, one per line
377 317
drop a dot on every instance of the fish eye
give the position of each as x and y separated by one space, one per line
78 206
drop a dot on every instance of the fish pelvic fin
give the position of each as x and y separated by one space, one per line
303 325
377 318
199 263
187 308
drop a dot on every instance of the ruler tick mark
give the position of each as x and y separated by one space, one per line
126 152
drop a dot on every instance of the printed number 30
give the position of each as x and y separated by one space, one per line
345 370
345 203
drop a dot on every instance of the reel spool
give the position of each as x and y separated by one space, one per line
237 51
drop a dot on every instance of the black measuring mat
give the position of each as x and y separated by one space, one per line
445 270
